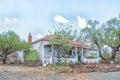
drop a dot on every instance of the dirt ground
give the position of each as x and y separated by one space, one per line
12 72
20 72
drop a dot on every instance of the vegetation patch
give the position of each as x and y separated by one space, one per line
93 55
31 55
59 67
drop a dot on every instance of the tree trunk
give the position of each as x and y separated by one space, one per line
113 55
102 57
59 56
100 53
4 56
59 53
99 48
4 61
114 50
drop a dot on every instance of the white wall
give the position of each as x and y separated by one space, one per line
87 60
20 56
35 46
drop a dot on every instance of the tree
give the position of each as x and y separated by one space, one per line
111 31
62 41
92 34
9 43
107 34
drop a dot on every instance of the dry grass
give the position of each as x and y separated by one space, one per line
43 71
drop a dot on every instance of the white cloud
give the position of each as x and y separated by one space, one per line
36 36
11 20
81 22
105 46
93 18
60 19
39 35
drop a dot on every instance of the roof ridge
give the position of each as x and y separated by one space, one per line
47 37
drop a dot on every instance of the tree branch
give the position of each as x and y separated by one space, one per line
0 55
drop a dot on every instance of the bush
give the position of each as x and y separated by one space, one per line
31 55
61 63
93 55
77 63
107 56
59 67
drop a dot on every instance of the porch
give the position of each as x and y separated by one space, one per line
77 54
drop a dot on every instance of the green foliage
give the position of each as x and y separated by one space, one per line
91 34
10 42
93 55
61 63
77 63
111 33
31 55
60 67
62 40
107 56
106 34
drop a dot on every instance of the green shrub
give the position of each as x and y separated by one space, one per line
59 67
31 55
93 55
61 63
56 65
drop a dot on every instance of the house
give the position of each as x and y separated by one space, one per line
47 53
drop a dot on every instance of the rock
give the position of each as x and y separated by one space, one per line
45 64
72 79
71 70
5 71
23 74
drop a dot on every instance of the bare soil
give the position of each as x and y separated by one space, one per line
21 72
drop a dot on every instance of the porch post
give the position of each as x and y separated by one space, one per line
97 54
42 55
88 52
98 58
51 55
82 54
76 53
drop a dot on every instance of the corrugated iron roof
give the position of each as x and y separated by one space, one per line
48 37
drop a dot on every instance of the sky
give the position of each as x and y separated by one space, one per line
40 16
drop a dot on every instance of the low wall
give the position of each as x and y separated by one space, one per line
47 60
90 60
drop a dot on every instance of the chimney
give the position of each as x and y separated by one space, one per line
30 38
